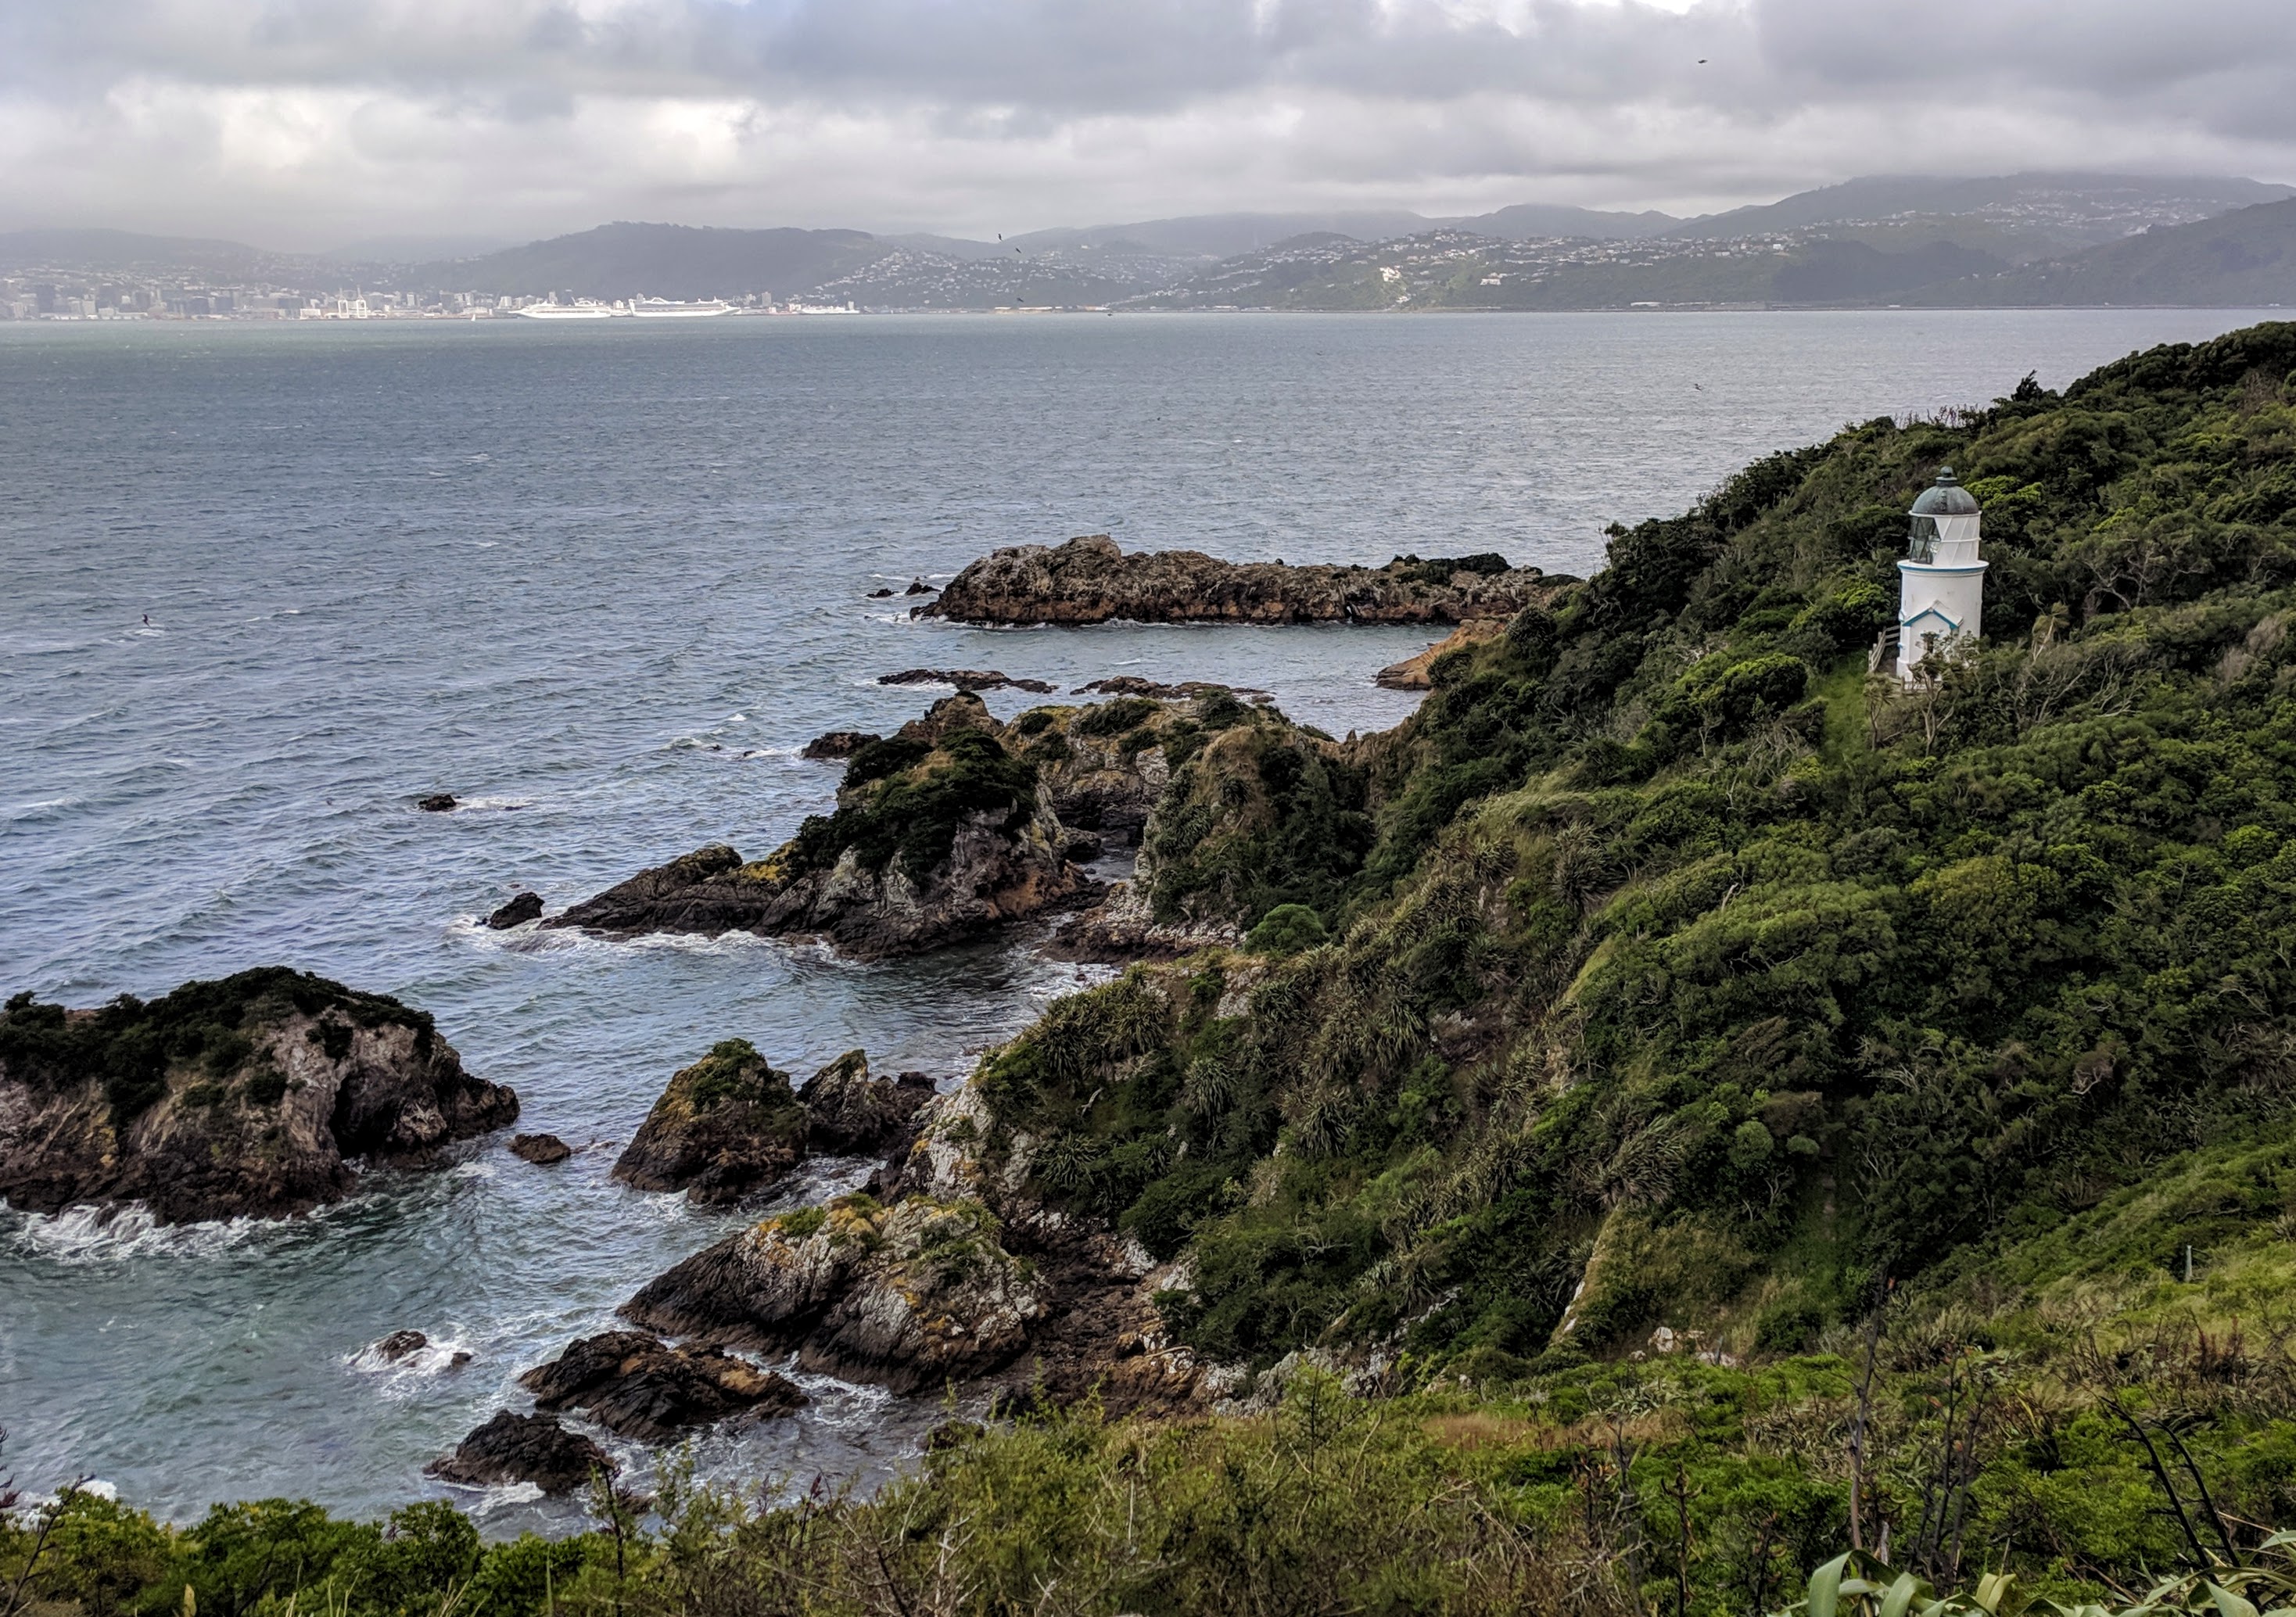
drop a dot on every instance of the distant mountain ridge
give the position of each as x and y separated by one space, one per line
2039 237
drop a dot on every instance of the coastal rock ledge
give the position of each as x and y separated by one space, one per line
249 1096
1091 580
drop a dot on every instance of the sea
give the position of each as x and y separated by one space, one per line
262 587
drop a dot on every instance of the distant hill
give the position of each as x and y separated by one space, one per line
2044 213
2245 258
126 250
662 260
1223 235
1526 221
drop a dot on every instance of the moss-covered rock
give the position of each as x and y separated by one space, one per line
726 1127
250 1096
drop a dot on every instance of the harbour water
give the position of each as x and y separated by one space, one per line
602 581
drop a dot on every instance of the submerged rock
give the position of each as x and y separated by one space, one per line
523 1449
524 907
438 802
636 1386
400 1345
1091 580
542 1150
1133 684
911 1296
252 1096
726 1127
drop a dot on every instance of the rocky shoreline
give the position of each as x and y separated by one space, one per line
1090 579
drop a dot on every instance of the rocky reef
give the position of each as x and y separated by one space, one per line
250 1096
730 1127
1091 580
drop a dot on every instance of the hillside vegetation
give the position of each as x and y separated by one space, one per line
1710 1108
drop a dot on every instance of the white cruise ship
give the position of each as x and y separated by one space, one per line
570 311
664 308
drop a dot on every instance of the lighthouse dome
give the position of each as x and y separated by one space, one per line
1947 497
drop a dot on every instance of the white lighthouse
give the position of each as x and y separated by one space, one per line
1941 581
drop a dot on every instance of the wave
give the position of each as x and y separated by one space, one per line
85 1235
532 937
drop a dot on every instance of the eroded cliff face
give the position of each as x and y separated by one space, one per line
1090 579
250 1096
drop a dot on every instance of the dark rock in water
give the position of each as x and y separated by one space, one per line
849 1114
542 1150
524 907
940 834
438 802
1133 684
726 1127
918 586
1083 847
913 1296
249 1095
461 1356
838 744
399 1344
523 1449
636 1386
968 680
1091 580
879 594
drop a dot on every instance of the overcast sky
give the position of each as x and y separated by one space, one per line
303 124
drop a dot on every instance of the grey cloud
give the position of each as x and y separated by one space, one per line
995 102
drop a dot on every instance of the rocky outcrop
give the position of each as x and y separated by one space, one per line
438 802
911 1296
1091 580
967 679
523 907
940 834
1124 926
636 1386
729 1128
253 1096
523 1449
838 745
726 1127
542 1150
849 1114
1411 674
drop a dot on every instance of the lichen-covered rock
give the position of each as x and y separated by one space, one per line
910 1296
940 834
638 1387
1091 580
523 1449
252 1096
849 1114
726 1127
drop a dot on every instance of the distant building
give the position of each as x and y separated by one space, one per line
1940 581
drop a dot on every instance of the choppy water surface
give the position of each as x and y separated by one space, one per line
602 583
